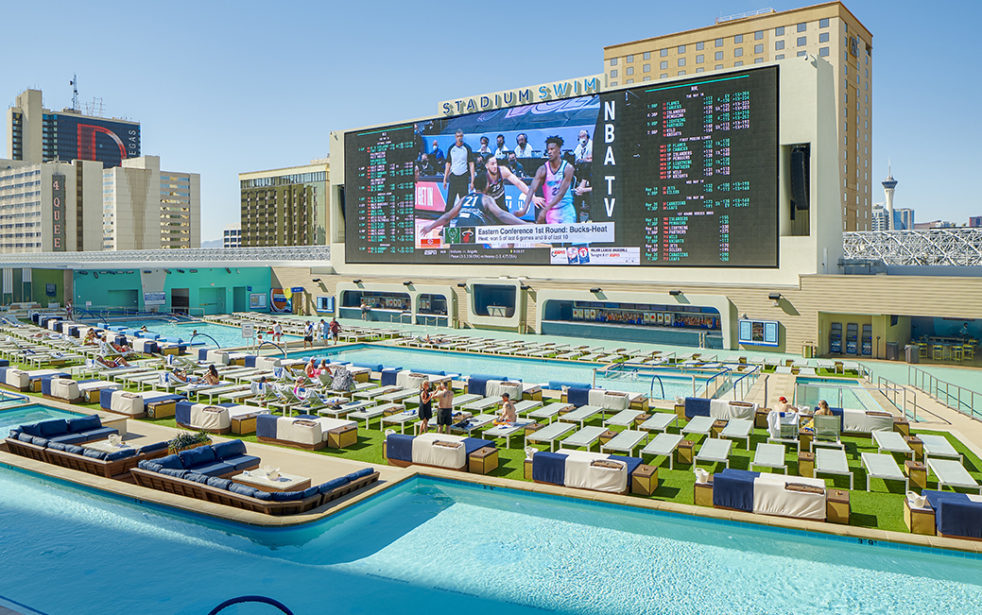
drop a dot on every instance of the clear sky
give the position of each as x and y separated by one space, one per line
226 87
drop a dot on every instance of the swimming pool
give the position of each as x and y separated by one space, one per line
31 413
439 546
226 336
838 392
528 370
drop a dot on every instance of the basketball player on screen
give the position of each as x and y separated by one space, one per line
555 177
475 209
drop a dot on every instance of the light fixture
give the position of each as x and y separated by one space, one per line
227 270
147 271
407 283
774 296
180 271
524 286
595 290
316 280
356 281
461 284
675 293
166 270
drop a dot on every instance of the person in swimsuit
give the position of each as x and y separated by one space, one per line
425 406
475 209
555 178
507 414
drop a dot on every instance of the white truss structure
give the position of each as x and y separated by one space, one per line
319 256
940 246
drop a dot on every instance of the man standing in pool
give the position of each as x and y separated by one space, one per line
555 177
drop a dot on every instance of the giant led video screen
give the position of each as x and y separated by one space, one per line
680 174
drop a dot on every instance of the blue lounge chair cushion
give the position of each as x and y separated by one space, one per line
955 514
578 396
231 448
310 492
52 427
106 398
215 469
250 360
734 489
202 354
399 447
218 483
14 433
265 496
182 412
39 441
150 466
549 468
94 454
86 436
360 473
242 462
477 386
473 444
333 484
389 376
152 448
84 423
25 437
287 496
632 462
696 406
266 426
173 472
197 477
245 490
58 446
123 454
194 457
170 461
74 449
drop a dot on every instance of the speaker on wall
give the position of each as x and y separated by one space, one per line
800 172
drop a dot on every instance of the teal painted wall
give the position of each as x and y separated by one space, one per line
210 289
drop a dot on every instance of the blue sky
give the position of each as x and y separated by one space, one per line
226 87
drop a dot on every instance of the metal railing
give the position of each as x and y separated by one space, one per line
900 396
742 385
956 397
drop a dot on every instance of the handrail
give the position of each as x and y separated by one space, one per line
261 599
277 346
953 396
196 334
651 390
755 372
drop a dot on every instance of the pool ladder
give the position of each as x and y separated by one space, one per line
240 599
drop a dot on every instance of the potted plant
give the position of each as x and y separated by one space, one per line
186 440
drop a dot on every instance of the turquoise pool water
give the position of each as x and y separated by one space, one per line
227 337
528 370
838 392
31 414
435 546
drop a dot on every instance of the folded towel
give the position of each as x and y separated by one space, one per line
305 423
605 463
446 444
803 488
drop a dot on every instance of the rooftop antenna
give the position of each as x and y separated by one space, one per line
74 84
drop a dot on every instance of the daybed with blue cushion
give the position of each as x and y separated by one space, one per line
229 493
67 431
66 389
24 380
585 470
223 459
155 404
770 494
204 417
719 408
306 431
441 451
604 398
90 460
956 515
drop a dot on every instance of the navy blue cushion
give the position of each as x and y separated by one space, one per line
171 461
360 473
549 468
333 484
197 477
631 462
265 496
58 446
84 423
94 454
287 496
39 441
151 466
266 426
310 492
242 462
218 483
123 454
74 449
696 406
106 398
197 456
31 429
232 448
152 448
473 444
53 427
578 396
182 412
734 489
245 490
25 437
399 446
388 376
173 472
92 434
14 433
215 469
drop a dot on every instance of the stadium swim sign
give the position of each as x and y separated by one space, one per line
523 96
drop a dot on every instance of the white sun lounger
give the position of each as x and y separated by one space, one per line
507 431
397 396
581 415
663 444
624 418
714 451
462 400
882 466
354 406
782 369
474 423
939 446
739 429
659 421
526 405
485 403
699 425
549 411
373 412
892 442
585 437
624 442
770 456
549 434
832 461
373 393
952 474
406 417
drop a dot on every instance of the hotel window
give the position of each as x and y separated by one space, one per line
699 70
613 73
719 42
802 41
663 65
823 37
646 78
629 70
646 68
823 23
629 58
758 60
700 59
759 35
779 56
719 55
823 52
778 45
802 27
779 31
718 67
681 61
759 48
681 48
738 38
738 52
663 53
629 81
700 45
738 63
663 76
646 55
802 53
681 72
613 61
